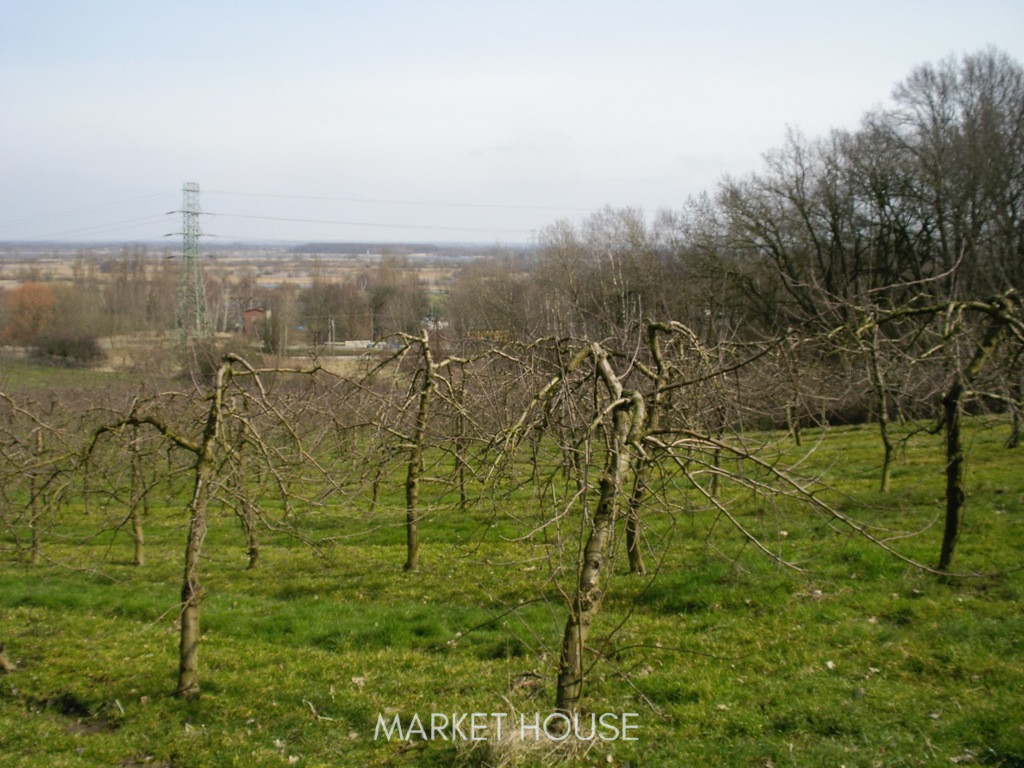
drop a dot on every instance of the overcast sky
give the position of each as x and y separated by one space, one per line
437 120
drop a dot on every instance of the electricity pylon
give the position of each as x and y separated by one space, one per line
190 316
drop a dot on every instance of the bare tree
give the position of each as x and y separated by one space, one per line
224 397
1003 317
34 476
694 455
416 411
627 414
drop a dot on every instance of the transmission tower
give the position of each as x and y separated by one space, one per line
190 313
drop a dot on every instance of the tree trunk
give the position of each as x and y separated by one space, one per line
138 497
247 510
247 517
36 552
952 406
460 447
415 466
650 422
716 462
36 507
535 438
625 419
412 496
882 403
633 548
252 539
793 423
887 454
138 540
955 492
1017 397
191 589
375 488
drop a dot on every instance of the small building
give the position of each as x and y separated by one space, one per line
253 320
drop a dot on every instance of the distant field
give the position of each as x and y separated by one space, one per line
22 377
726 659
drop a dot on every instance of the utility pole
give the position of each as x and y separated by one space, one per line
191 317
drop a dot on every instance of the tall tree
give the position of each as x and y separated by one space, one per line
29 312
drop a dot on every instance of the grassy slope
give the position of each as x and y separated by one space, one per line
727 659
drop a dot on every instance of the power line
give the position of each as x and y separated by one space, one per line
39 218
420 203
95 229
337 222
123 224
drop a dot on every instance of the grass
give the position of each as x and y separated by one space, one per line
726 658
24 377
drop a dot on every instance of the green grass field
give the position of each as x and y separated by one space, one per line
726 658
19 376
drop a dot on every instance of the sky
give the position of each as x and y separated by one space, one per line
429 120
